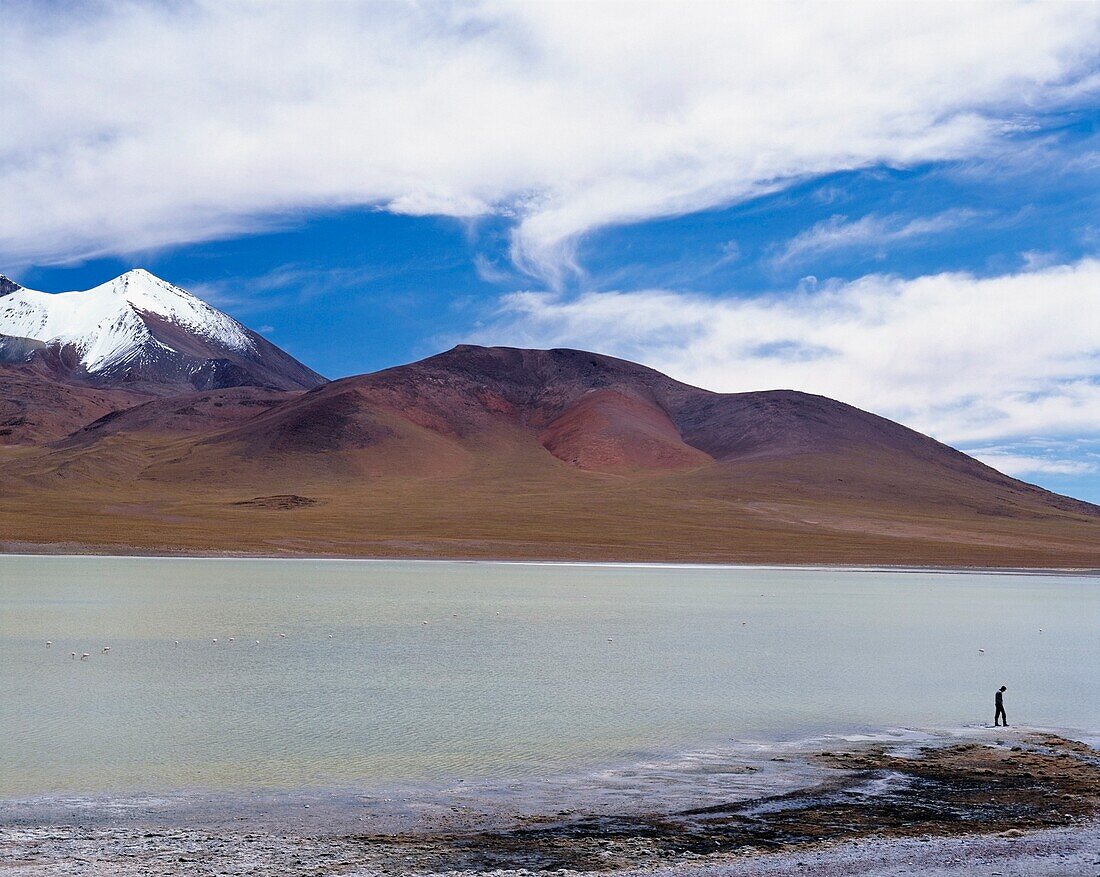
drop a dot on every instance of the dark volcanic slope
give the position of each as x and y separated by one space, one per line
192 414
35 408
183 362
542 453
175 361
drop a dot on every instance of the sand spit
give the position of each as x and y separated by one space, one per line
1017 804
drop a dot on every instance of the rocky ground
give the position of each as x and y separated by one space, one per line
1012 804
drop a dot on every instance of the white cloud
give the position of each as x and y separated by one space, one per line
871 231
965 359
283 285
137 125
490 271
1011 462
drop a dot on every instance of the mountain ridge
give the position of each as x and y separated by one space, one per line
138 330
510 452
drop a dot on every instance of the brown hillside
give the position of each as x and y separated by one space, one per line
526 453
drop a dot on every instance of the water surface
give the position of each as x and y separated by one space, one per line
368 673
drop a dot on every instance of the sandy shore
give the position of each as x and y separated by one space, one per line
1004 803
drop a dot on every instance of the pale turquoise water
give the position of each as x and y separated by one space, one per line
520 668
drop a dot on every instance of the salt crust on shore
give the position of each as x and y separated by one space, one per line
1071 852
1062 852
1043 779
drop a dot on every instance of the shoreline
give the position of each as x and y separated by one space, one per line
1027 797
538 783
1049 853
24 553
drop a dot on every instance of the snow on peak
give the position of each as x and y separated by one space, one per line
106 323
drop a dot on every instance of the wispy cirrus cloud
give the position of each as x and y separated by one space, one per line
871 232
283 284
141 125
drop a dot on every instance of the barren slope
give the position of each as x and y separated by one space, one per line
519 453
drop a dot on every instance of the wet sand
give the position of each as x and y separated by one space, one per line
1017 802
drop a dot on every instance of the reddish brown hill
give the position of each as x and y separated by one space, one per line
35 408
613 431
556 453
335 430
605 414
191 414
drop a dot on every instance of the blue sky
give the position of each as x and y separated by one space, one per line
360 289
905 218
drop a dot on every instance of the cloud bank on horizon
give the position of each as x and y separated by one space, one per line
137 127
971 358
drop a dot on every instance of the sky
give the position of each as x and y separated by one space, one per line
893 205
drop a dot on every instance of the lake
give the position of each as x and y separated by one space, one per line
346 674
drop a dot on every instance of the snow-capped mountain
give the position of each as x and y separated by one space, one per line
139 330
107 324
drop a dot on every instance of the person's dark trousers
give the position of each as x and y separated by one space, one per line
1000 716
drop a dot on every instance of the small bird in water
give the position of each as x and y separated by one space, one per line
84 655
215 640
72 654
106 649
982 651
48 643
177 642
282 634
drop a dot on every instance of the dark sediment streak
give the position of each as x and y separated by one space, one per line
1020 784
970 788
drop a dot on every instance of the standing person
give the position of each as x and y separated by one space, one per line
1000 716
